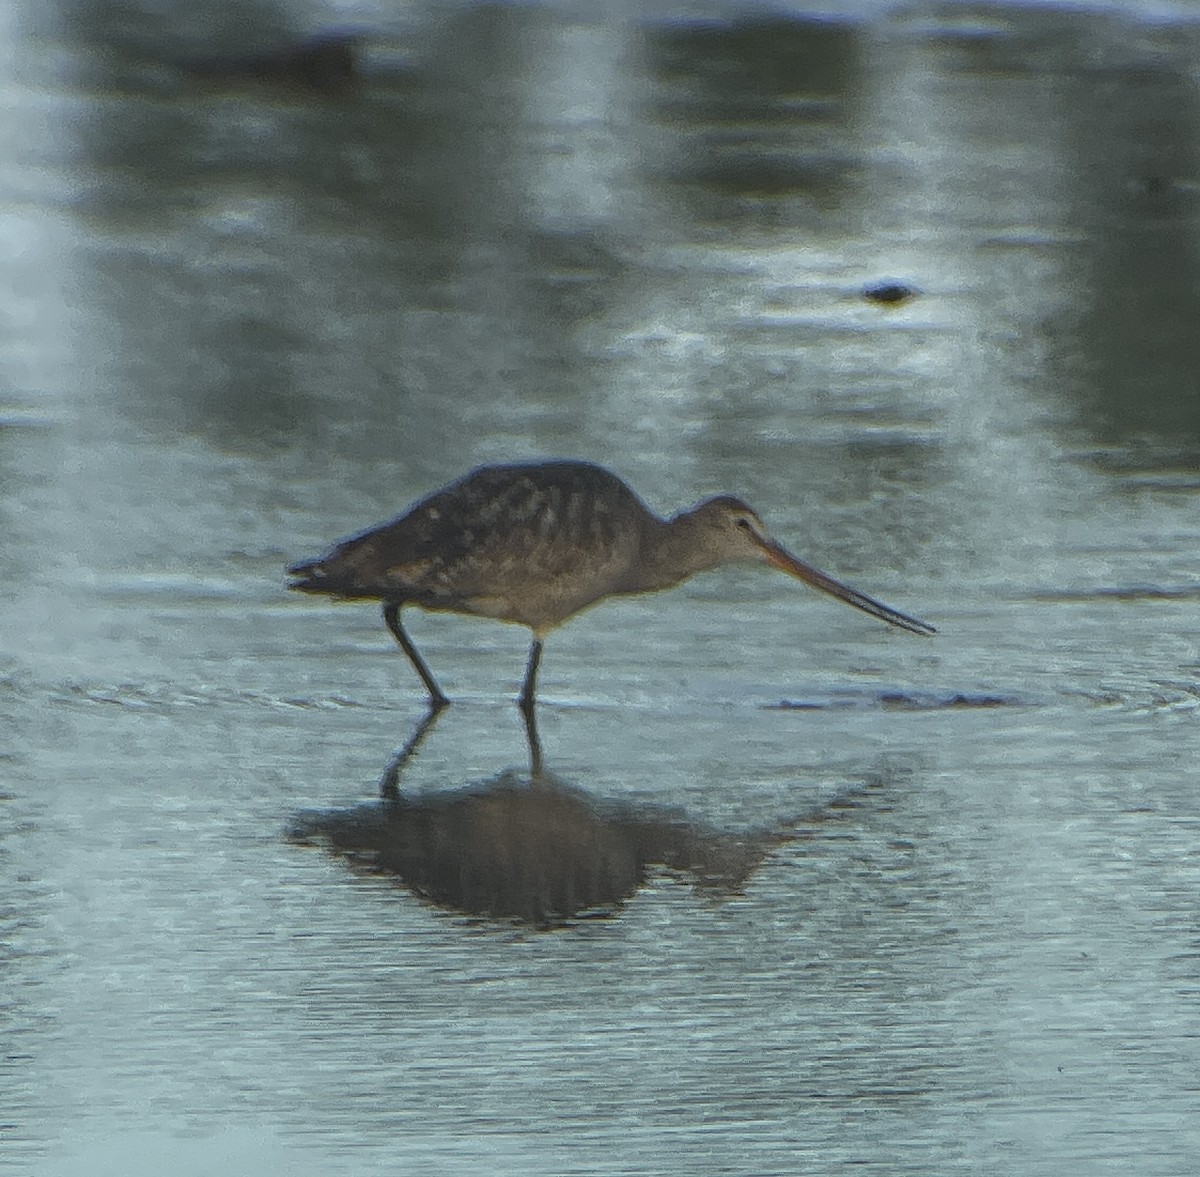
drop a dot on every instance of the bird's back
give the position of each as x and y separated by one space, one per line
531 543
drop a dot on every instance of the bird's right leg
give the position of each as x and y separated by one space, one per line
391 615
529 690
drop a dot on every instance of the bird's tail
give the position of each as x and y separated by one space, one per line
316 576
353 570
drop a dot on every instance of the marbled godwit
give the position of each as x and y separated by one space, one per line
536 543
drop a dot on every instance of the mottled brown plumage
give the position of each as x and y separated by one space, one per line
537 543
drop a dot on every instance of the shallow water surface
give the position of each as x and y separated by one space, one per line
778 889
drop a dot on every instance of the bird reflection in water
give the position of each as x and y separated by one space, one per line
531 849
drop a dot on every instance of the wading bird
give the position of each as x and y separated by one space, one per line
536 543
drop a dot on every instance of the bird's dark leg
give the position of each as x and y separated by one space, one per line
391 615
529 690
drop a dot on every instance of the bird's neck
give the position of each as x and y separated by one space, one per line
671 553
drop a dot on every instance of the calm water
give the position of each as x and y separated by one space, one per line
795 893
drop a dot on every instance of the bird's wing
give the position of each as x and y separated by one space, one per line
512 532
499 533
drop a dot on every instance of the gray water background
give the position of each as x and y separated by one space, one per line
856 902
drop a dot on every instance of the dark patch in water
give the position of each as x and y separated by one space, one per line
902 701
1133 592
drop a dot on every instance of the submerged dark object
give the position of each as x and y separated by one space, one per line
890 292
534 544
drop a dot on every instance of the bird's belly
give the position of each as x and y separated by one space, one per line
538 611
540 587
539 606
500 608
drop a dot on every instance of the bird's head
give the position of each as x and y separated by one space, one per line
724 530
728 531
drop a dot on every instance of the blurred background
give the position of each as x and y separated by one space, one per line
799 893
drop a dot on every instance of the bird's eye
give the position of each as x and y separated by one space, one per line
744 524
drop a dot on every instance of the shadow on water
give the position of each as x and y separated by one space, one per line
1124 349
535 849
767 109
395 180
